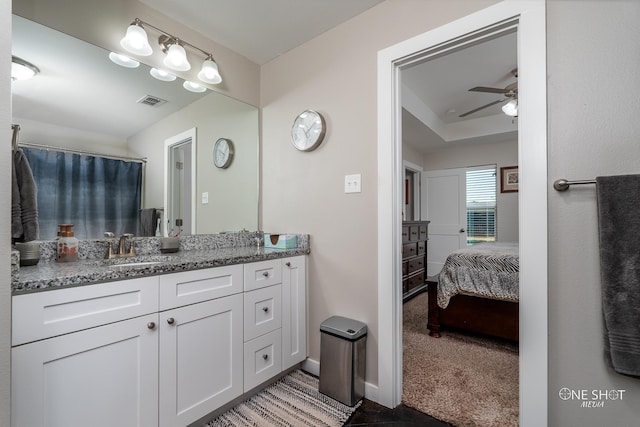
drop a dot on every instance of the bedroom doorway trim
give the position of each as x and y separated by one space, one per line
529 18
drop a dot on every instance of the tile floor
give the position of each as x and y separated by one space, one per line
371 414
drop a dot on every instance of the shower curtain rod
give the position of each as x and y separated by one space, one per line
72 151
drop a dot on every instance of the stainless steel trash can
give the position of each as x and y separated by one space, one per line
343 345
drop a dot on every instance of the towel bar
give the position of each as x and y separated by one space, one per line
563 185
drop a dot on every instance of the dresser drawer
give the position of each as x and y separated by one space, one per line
423 232
405 233
190 287
416 264
46 314
414 232
262 359
422 248
409 250
415 280
262 311
261 274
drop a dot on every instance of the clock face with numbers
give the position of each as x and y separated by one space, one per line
308 130
222 153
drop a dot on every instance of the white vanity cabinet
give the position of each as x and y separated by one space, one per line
200 343
155 351
68 375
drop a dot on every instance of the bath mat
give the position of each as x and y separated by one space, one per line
294 400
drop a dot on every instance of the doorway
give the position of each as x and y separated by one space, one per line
529 19
180 184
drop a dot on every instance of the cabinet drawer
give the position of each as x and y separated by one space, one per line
405 268
49 313
414 232
262 359
405 233
422 248
409 250
416 264
262 311
423 232
261 274
190 287
416 280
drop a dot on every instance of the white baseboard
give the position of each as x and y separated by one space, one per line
313 367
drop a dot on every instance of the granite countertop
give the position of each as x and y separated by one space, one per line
49 275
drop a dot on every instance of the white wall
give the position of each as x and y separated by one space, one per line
5 215
233 192
502 154
335 73
594 105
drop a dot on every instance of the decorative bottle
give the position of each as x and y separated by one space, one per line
67 244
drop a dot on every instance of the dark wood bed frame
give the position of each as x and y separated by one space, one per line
473 314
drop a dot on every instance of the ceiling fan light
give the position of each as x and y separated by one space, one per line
209 72
123 61
162 75
176 58
193 87
136 40
21 69
511 108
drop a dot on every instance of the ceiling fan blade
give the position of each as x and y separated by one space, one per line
481 108
488 89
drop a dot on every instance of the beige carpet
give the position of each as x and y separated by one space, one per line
465 380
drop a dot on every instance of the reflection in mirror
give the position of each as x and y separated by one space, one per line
179 184
82 101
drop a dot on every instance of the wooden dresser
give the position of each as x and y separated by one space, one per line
414 258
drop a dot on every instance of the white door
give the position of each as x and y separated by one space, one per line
294 309
444 204
201 356
105 376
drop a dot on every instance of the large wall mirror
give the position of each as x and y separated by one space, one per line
82 101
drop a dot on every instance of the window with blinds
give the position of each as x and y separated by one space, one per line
481 205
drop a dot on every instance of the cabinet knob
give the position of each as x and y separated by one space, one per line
288 264
265 309
265 356
171 320
151 325
265 274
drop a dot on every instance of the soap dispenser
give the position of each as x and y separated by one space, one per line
67 244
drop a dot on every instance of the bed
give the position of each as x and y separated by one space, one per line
477 290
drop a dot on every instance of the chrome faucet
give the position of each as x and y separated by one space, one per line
122 246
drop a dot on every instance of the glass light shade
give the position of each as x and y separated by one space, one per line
162 75
209 72
510 108
21 69
193 87
123 61
176 58
136 41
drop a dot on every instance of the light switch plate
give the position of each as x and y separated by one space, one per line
352 183
205 198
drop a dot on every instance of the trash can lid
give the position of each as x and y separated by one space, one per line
344 327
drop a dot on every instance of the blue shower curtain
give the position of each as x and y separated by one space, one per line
96 194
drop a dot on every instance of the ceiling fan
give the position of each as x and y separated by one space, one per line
510 92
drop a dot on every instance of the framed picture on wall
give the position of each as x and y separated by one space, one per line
509 179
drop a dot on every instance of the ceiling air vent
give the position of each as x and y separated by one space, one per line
151 100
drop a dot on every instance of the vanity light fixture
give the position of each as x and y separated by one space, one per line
162 75
193 86
123 61
511 108
21 69
136 42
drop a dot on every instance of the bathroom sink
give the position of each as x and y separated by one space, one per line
134 264
136 261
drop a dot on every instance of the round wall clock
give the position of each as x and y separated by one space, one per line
222 153
308 130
